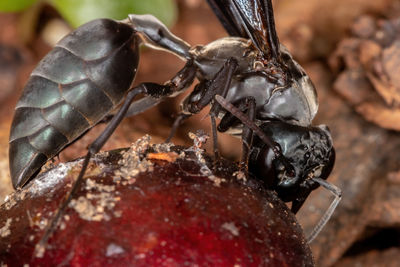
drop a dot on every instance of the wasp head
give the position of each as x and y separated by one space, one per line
308 149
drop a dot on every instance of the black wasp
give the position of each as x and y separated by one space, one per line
91 70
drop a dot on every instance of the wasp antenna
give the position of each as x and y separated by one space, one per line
325 218
276 148
245 120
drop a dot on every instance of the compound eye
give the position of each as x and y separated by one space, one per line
307 155
263 166
327 169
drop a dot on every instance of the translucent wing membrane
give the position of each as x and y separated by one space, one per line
250 19
225 11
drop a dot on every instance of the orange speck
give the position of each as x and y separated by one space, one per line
170 156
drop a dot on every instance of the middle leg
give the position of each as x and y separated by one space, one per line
203 95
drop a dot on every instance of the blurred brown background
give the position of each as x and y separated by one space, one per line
365 228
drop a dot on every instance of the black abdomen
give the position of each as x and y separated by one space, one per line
79 82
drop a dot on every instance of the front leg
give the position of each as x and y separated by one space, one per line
275 147
205 91
203 95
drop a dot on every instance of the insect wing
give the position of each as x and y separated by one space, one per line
252 19
225 12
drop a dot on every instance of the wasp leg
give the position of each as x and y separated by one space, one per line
93 149
225 83
180 82
215 138
202 96
144 88
178 122
246 105
275 147
229 120
218 85
247 135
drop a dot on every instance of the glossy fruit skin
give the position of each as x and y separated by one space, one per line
170 213
74 86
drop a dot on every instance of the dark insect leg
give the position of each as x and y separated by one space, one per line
219 84
229 120
247 135
178 122
179 83
205 92
246 105
215 138
276 148
327 215
93 149
222 80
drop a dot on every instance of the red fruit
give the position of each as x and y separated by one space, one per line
151 209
